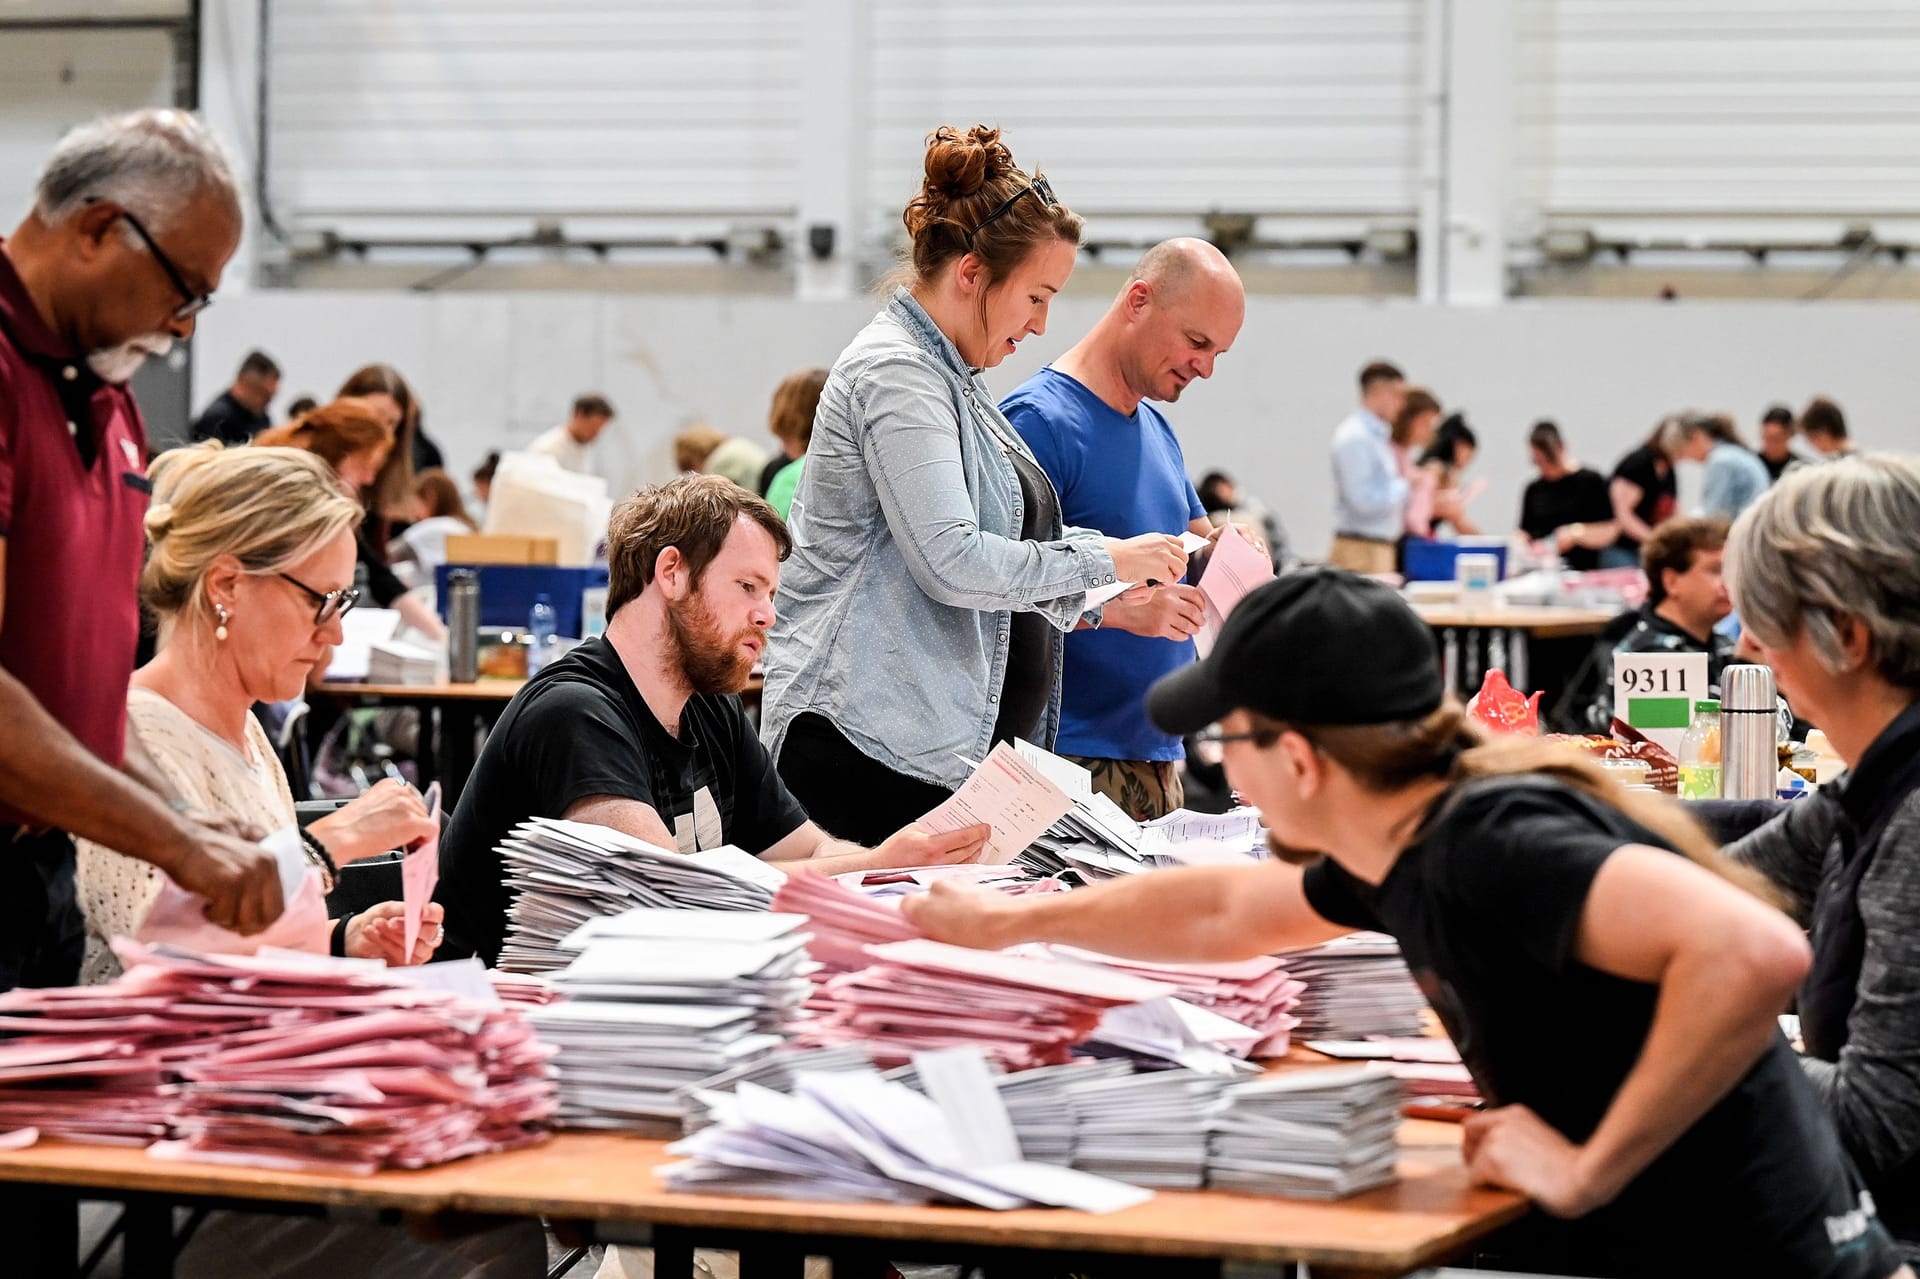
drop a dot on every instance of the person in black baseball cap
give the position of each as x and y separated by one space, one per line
1615 1002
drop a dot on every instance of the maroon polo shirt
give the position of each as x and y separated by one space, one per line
71 511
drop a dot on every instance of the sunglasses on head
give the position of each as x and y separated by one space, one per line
1039 188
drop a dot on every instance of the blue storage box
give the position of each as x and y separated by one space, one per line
1431 561
507 591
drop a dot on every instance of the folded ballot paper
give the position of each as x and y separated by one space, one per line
1314 1134
662 1000
566 874
1190 542
279 1060
179 918
853 1135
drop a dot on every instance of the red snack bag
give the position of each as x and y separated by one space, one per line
1502 709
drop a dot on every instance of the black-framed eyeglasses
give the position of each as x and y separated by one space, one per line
1040 188
327 604
195 303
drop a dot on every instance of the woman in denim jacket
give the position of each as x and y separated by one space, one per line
921 614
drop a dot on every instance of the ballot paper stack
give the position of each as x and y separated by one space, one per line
1259 994
398 662
1357 987
278 1060
567 873
777 1072
660 1000
1319 1134
855 1136
1148 1129
1037 1105
841 922
919 995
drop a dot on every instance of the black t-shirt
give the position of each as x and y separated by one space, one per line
1487 907
1032 641
1579 497
579 729
228 420
1659 494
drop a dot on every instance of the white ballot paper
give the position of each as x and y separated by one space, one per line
1190 542
1010 795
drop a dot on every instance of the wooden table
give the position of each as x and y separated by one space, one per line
604 1188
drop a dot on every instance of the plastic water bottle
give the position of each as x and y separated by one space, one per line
540 625
1700 753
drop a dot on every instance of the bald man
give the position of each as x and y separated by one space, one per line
1118 468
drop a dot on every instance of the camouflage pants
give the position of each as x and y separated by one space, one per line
1145 788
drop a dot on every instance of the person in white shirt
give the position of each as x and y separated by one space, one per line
1370 491
571 442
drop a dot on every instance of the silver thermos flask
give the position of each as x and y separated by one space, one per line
1750 758
463 626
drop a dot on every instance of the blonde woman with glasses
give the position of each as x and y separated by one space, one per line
249 572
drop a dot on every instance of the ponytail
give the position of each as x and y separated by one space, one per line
1448 746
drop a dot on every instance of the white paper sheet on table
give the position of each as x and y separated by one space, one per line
1009 794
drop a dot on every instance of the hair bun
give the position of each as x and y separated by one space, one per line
159 520
959 165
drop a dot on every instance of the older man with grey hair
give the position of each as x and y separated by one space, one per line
134 219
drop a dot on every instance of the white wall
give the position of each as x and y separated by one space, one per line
493 369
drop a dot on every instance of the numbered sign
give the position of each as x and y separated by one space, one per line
1655 693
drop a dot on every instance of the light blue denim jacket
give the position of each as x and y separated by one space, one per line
908 563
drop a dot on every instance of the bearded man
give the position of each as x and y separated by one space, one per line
641 729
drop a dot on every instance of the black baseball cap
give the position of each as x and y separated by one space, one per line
1317 646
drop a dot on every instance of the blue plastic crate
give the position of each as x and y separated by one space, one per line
1431 561
507 592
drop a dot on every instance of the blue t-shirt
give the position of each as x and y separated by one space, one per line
1124 476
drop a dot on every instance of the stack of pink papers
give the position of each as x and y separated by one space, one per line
920 995
843 922
276 1060
1257 993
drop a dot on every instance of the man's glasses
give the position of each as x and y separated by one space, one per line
1039 188
327 604
1218 736
195 303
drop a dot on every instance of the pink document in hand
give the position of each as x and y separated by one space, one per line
419 872
1234 568
178 918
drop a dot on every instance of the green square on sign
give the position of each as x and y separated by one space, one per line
1659 712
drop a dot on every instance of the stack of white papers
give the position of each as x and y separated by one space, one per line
856 1136
1320 1134
1148 1129
1357 987
778 1072
566 874
1037 1104
919 996
398 662
360 629
660 1000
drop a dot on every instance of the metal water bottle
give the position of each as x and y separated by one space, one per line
463 626
1750 765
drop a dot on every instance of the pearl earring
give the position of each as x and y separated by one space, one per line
220 615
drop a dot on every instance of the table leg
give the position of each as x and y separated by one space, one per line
1517 655
149 1240
672 1254
454 746
773 1259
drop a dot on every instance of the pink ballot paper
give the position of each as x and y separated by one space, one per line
1010 795
420 872
178 917
1235 569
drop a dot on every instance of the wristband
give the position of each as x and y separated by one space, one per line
337 943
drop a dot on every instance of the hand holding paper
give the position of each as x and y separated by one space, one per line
1008 794
419 872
